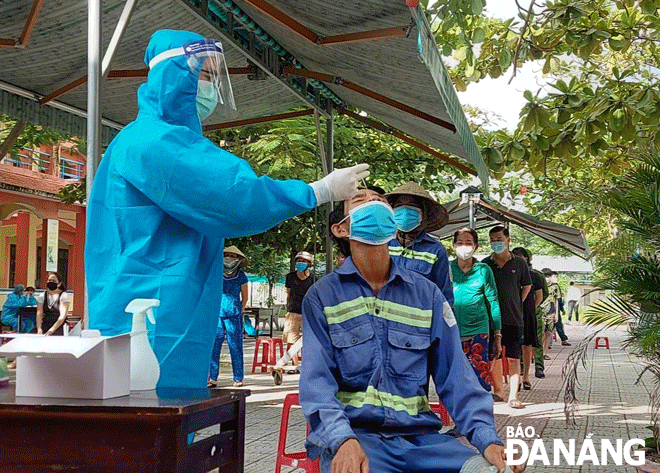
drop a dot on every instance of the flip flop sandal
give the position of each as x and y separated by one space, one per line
516 404
212 384
527 385
497 398
238 384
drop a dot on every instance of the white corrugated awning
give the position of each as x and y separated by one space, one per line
357 54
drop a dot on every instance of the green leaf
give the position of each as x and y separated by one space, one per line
647 6
618 120
477 7
478 35
505 59
530 120
461 53
617 43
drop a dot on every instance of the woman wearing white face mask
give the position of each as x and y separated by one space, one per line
474 287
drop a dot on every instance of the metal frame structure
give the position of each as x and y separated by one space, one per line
265 56
27 29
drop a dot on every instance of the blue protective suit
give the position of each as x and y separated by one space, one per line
10 309
163 201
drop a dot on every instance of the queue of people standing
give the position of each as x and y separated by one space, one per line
503 307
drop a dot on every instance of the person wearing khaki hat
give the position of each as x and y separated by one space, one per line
230 324
417 214
297 284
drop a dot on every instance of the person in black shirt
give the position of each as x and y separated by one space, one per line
513 285
297 284
531 339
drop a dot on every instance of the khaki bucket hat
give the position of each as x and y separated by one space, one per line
435 215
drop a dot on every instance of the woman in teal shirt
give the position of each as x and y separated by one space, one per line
475 297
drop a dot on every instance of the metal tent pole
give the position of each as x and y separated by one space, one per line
124 19
471 203
93 104
329 153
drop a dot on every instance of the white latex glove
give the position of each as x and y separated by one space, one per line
340 184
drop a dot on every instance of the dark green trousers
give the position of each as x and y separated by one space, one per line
538 352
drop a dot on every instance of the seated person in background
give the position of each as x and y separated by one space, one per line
373 333
53 306
17 299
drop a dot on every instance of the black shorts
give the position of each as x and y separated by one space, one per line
512 339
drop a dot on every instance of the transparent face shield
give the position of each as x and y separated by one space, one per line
206 58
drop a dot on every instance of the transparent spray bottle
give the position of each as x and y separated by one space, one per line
145 370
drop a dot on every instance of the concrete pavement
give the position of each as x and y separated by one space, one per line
612 405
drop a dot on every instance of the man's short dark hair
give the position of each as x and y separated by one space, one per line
547 271
471 231
377 189
499 228
336 216
520 251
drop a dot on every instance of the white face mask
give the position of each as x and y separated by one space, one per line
464 252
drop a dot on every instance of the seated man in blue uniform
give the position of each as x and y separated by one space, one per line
374 332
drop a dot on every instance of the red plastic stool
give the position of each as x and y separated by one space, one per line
289 345
441 410
268 354
294 459
606 343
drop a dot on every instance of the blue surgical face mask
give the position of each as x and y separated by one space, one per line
207 99
372 223
498 246
407 218
301 266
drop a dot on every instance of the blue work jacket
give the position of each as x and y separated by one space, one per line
428 257
368 360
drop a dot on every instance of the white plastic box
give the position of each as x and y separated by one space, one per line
89 366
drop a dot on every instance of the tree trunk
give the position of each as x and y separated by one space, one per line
269 301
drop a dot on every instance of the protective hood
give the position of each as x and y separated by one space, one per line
171 90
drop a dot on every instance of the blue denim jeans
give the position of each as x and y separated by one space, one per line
232 329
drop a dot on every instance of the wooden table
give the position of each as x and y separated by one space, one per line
144 432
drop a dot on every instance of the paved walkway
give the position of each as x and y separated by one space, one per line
612 405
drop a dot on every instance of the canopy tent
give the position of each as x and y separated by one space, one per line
378 56
488 213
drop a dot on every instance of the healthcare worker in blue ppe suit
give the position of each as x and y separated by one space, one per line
164 199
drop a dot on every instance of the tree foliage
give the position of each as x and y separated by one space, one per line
601 99
289 149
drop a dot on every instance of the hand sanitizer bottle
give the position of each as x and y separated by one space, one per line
145 370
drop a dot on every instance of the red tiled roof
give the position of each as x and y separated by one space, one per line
30 181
